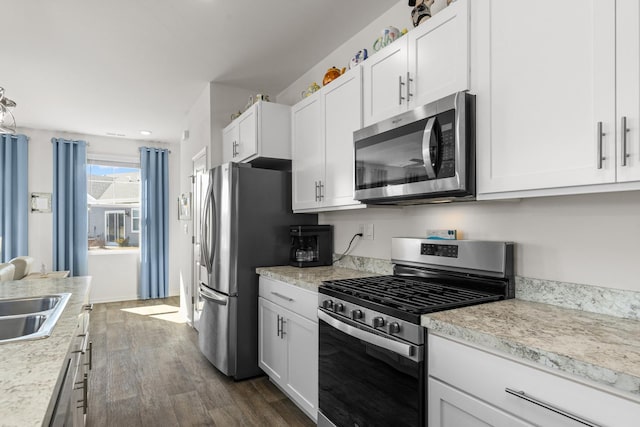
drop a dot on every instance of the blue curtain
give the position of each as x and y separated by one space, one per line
14 196
70 236
154 223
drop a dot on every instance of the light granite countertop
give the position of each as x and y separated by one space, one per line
29 370
311 277
597 347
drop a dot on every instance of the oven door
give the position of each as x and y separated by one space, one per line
366 378
423 153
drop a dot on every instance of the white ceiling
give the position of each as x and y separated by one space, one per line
119 66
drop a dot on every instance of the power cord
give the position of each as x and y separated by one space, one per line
348 247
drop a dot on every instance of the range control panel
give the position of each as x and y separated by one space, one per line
449 251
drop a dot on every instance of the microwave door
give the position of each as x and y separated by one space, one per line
430 146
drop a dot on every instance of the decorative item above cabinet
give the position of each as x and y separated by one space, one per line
428 63
262 131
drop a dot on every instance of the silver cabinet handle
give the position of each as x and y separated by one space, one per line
623 139
85 394
281 296
409 80
278 330
600 135
90 364
320 188
317 187
400 84
87 307
535 401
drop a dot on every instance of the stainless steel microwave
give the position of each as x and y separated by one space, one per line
420 156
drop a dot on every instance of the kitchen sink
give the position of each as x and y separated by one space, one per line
30 318
20 326
15 306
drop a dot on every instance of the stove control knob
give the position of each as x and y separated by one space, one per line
394 328
378 322
356 314
338 307
327 304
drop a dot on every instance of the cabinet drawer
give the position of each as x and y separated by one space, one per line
298 300
486 375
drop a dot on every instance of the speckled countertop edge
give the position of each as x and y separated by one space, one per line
29 370
312 277
596 347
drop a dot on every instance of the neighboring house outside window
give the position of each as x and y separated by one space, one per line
113 205
135 220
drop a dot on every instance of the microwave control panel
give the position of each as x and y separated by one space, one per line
447 144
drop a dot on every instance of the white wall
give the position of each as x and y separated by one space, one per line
114 278
398 16
589 239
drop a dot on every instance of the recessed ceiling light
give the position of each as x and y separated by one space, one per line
145 132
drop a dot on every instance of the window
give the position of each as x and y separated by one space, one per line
114 228
135 220
113 200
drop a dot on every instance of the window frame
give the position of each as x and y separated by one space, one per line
134 217
106 224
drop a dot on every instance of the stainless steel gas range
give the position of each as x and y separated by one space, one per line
372 348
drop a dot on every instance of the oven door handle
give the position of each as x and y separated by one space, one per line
405 350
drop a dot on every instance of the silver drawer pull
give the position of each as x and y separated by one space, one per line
523 395
281 296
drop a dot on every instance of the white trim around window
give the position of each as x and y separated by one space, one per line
135 215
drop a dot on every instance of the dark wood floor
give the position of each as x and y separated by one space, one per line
148 371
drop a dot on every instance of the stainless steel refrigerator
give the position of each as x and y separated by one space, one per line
245 224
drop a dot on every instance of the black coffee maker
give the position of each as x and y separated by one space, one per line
311 245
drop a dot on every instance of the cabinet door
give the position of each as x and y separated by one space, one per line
247 135
628 95
307 151
439 55
384 77
229 139
342 116
272 356
449 407
302 354
546 78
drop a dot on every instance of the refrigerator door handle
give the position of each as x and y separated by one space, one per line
204 231
213 296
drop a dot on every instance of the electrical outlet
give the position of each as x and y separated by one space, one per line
361 229
368 232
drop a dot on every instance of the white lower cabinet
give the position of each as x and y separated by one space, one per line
288 341
469 386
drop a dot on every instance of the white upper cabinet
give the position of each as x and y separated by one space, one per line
264 130
438 56
548 110
323 126
342 117
308 152
628 96
428 63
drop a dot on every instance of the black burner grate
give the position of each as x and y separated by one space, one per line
403 297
